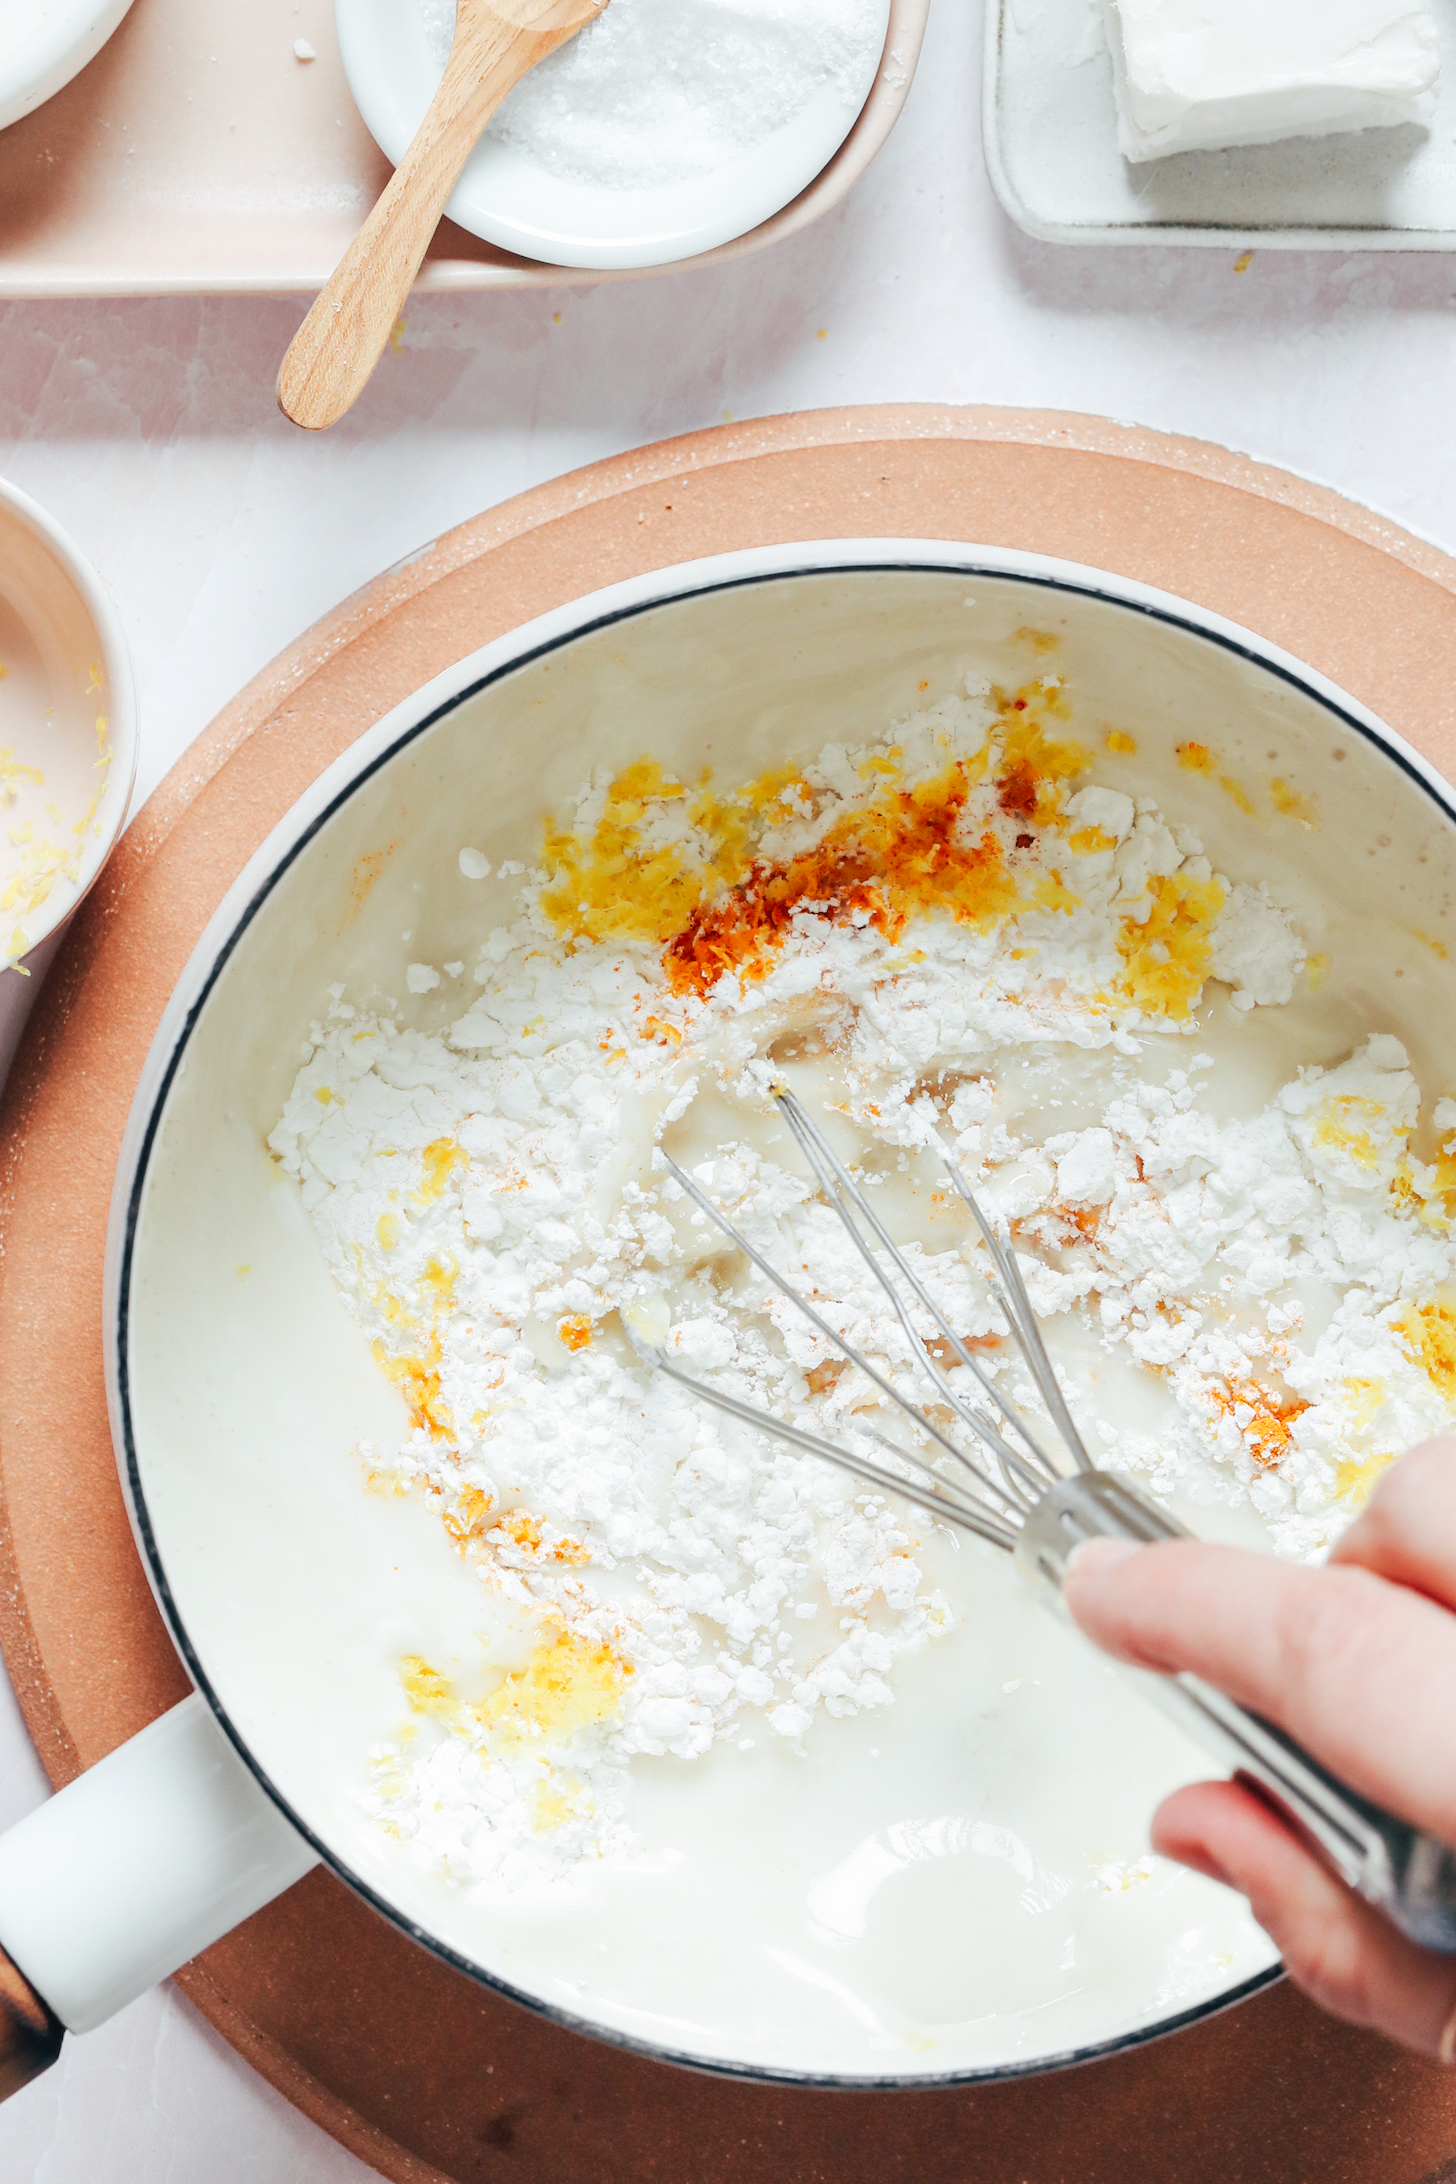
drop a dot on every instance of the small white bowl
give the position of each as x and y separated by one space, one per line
68 744
44 43
504 197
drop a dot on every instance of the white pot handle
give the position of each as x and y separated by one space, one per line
147 1858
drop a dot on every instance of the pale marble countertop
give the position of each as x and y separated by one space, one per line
149 430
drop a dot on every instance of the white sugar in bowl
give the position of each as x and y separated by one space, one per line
663 130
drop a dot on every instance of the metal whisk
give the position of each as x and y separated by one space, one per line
1007 1489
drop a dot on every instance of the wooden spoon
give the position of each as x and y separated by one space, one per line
336 348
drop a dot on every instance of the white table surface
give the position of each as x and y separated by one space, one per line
148 428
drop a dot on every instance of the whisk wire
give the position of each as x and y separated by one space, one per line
838 1341
1409 1876
939 1496
1010 1294
997 1490
847 1200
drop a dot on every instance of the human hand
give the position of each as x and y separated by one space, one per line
1358 1662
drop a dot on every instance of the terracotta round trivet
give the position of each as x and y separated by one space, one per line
431 2078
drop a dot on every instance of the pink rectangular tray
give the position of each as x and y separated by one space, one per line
197 155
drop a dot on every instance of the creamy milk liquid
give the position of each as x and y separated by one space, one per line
957 1881
55 759
956 1878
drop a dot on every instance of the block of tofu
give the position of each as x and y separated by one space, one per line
1198 75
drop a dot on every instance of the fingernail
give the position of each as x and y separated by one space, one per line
1093 1557
1203 1861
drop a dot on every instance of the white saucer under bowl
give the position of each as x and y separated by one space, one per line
507 198
44 43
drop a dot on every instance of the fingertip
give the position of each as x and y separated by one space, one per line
1094 1557
1099 1608
1184 1852
1194 1825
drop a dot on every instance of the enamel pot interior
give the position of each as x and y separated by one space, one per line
245 1390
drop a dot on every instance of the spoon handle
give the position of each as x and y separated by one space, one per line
331 357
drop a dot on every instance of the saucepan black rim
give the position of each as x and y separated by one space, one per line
1091 587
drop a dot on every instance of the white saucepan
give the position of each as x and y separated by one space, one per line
826 1910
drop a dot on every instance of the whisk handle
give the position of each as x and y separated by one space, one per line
1409 1876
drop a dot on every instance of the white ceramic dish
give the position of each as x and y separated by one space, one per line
66 699
44 43
506 198
1050 137
823 1936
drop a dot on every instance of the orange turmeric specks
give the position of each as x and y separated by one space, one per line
466 1520
519 1529
418 1381
1263 1418
677 866
1033 765
878 865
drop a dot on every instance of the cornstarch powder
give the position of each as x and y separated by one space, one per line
968 928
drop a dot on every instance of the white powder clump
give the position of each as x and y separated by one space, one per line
1259 1292
656 91
1107 809
1256 949
1087 1173
1224 1241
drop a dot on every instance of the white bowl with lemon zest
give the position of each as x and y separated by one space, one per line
68 742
